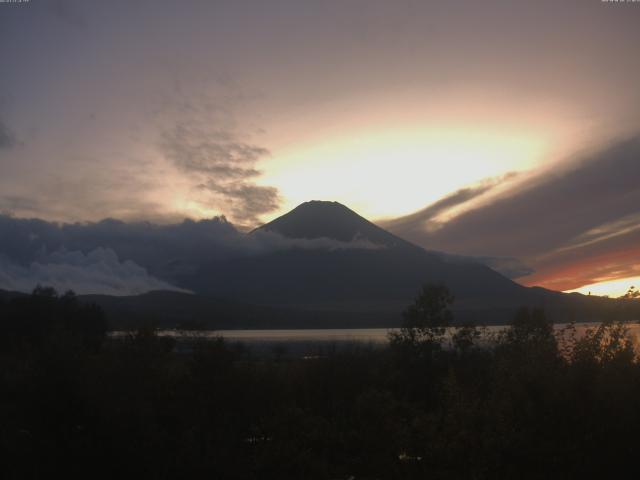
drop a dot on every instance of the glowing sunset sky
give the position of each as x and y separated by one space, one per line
489 128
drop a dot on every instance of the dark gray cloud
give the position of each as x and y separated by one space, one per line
510 267
592 200
67 255
147 244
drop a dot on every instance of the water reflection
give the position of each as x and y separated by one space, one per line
338 335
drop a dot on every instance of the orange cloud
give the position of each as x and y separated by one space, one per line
585 271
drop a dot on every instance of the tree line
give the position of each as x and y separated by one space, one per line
438 402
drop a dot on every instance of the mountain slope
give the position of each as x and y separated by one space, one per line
381 280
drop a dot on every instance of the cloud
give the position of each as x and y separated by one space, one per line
616 257
211 152
38 251
11 203
606 231
245 202
555 219
509 267
268 241
99 271
220 165
141 158
425 219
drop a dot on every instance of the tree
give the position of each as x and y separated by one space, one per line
608 343
530 340
46 318
425 321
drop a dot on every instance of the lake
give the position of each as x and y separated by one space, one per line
308 339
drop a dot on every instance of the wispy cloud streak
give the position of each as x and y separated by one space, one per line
554 222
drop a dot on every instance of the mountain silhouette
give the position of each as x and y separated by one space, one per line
378 282
321 219
337 282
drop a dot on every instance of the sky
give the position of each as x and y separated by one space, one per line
505 129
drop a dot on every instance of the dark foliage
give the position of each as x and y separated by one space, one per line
435 404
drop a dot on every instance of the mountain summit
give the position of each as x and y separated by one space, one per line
322 219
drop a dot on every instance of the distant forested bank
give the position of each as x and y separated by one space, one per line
536 404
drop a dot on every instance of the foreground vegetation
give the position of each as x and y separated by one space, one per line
533 405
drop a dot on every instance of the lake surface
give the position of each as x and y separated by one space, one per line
374 336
